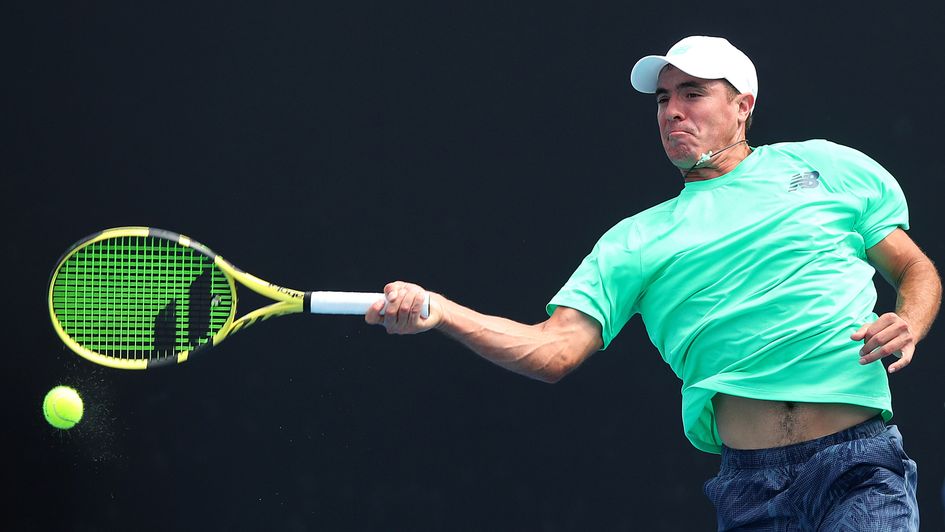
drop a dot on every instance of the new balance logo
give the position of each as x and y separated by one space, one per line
805 180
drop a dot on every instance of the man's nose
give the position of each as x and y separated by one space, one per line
676 112
672 111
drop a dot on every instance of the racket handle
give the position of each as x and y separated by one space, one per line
351 302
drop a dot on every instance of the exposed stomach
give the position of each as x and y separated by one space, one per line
758 424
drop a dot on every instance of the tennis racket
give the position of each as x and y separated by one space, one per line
140 297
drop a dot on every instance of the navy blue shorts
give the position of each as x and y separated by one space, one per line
859 479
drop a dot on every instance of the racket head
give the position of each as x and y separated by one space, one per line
140 297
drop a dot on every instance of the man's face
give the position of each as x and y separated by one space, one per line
695 115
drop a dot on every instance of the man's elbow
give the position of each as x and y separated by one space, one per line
573 342
557 366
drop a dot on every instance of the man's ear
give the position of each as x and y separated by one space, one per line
746 104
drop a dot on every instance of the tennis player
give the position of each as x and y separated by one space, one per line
755 285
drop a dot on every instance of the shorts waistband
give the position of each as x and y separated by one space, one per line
799 452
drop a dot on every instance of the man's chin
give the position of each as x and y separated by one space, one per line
683 163
681 156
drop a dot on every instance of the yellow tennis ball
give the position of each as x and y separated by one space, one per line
62 407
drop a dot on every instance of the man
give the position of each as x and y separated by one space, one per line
755 284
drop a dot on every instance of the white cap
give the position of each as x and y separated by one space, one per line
702 57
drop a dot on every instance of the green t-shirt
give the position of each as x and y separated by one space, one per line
751 283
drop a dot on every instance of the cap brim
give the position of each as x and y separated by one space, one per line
645 74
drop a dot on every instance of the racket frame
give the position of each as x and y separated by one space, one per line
287 300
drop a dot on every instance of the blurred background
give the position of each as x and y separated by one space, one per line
478 149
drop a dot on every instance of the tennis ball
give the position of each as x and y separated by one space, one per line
62 407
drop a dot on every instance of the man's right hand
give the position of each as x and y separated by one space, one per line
401 308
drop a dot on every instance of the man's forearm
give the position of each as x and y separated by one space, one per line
546 351
919 296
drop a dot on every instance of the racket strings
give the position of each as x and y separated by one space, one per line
134 297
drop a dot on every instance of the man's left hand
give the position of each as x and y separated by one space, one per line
889 335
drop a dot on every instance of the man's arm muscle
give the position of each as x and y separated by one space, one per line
546 351
919 296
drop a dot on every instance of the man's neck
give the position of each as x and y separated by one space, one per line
719 165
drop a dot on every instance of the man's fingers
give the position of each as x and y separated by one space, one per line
413 305
888 335
403 308
869 329
373 314
896 345
400 309
391 294
861 332
392 290
880 339
905 359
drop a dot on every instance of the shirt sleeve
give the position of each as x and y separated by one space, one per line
607 284
884 204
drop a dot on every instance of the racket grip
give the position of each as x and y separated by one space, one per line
351 302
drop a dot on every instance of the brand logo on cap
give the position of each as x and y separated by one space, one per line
679 49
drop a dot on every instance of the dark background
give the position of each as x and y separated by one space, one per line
476 148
